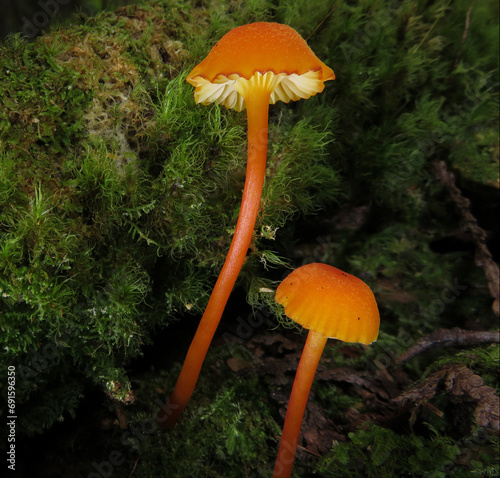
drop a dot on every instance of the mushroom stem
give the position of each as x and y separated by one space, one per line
257 105
304 377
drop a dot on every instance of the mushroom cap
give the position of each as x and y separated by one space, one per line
260 47
275 51
330 302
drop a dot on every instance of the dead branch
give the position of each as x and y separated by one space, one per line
449 338
469 223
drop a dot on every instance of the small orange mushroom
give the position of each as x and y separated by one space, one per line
251 67
331 304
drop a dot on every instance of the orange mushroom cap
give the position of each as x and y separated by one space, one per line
261 47
277 52
330 302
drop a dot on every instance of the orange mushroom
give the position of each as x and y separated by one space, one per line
251 67
331 304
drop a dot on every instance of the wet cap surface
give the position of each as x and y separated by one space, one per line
331 302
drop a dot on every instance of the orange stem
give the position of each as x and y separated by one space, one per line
304 377
257 105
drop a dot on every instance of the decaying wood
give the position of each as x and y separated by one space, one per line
459 381
389 397
483 256
276 357
449 338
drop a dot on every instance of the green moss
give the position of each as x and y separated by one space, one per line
336 402
222 434
378 451
119 195
484 361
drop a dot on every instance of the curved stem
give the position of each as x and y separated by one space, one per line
304 377
257 105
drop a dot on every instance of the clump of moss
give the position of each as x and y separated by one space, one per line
119 196
412 85
412 89
378 451
222 434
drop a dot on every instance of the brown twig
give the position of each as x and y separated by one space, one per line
327 16
469 223
464 35
449 338
134 467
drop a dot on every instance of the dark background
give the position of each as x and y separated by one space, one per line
33 17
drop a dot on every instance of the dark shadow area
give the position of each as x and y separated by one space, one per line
35 17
